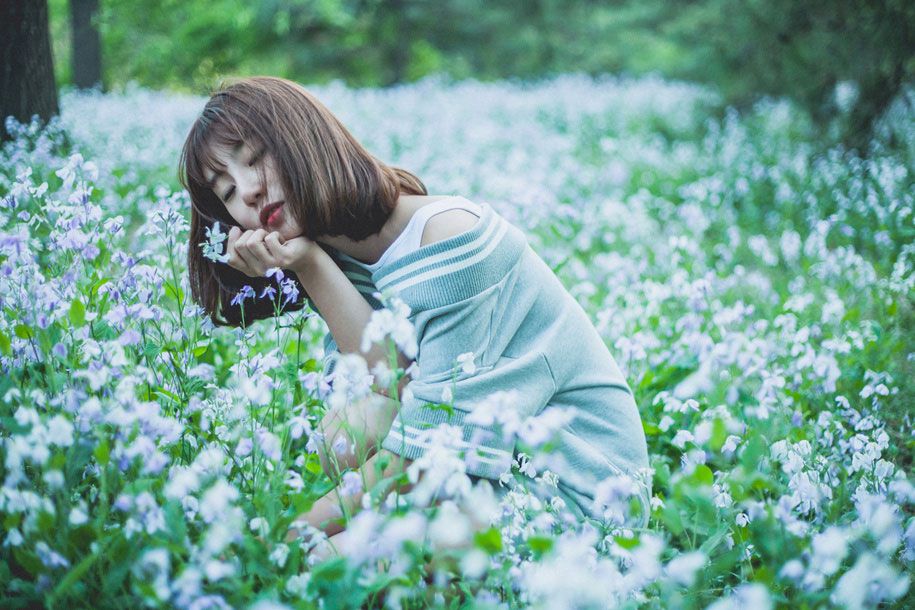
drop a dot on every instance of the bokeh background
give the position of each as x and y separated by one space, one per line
727 189
829 56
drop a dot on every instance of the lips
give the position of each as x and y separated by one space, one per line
267 211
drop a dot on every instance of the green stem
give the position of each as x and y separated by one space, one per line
78 571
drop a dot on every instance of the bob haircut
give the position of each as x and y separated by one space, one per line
332 184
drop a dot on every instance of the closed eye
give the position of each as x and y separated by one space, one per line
256 157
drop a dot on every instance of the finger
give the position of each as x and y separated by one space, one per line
274 244
247 261
257 252
257 246
234 234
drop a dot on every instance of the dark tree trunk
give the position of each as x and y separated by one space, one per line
27 84
87 46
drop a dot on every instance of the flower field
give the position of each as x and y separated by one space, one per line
758 292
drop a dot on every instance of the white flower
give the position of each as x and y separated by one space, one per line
753 595
351 380
730 444
216 501
537 430
351 484
269 604
60 431
256 389
298 585
279 555
392 320
54 479
792 570
259 526
212 247
829 549
682 568
466 362
868 583
666 422
681 438
269 444
182 481
153 569
451 528
78 515
216 570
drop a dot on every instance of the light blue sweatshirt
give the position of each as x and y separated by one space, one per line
486 291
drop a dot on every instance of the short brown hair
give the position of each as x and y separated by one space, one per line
332 184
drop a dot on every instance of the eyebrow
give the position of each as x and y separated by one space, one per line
212 181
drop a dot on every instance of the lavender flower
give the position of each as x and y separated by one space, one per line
290 290
246 292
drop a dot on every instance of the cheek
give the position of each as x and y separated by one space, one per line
291 228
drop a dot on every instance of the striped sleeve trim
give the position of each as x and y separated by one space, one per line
486 454
440 253
451 262
411 435
456 268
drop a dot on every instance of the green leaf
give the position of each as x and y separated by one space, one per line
102 452
670 517
77 313
627 542
539 545
166 393
489 540
313 465
702 475
5 345
719 434
23 331
332 569
754 448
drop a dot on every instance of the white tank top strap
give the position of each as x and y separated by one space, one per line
410 238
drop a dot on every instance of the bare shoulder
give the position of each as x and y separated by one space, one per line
447 224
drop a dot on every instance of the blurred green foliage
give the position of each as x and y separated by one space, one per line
747 49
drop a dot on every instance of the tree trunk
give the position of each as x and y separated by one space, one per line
87 46
27 84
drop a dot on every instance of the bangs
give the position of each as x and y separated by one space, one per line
200 155
212 129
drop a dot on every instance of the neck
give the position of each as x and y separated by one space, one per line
370 249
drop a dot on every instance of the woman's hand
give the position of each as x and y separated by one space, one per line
253 252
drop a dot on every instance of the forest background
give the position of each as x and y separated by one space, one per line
848 58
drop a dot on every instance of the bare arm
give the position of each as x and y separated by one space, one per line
327 512
360 426
344 309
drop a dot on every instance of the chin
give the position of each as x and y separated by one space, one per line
287 232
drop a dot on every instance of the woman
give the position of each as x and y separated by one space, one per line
300 193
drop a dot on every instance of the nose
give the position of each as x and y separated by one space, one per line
250 189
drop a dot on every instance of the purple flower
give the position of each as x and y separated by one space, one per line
276 271
246 292
269 290
290 290
130 337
